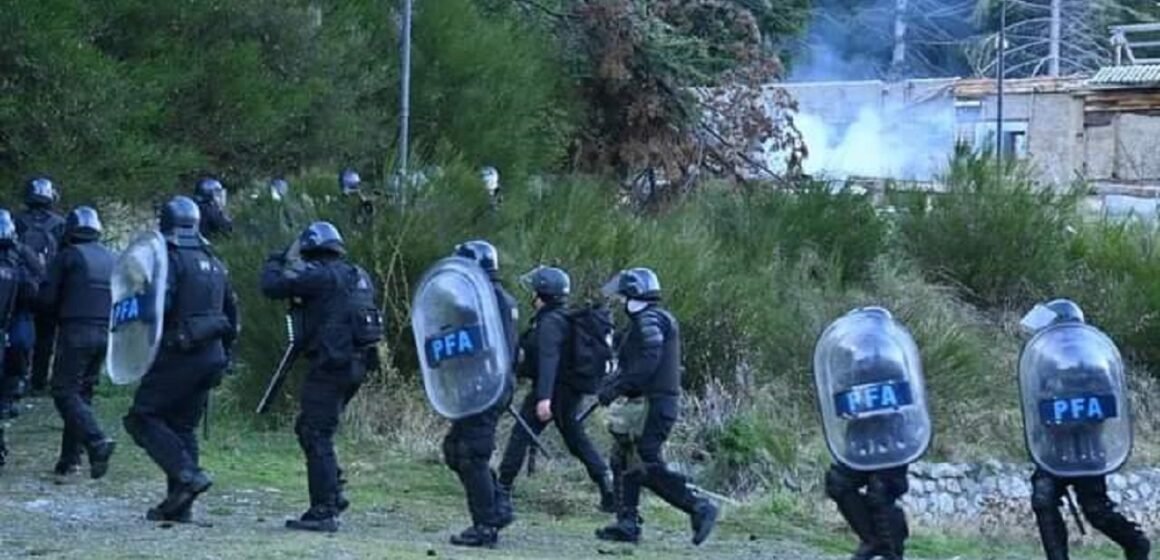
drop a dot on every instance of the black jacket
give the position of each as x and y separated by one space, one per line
650 358
545 346
77 287
322 287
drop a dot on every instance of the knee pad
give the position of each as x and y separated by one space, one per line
1098 510
838 485
883 489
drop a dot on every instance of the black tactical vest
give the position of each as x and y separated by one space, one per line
86 294
195 317
9 288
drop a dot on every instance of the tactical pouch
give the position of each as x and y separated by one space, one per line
196 331
626 417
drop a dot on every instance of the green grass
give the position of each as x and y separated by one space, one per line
403 508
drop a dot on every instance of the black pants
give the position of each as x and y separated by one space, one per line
43 351
1047 493
76 372
467 448
565 406
868 500
641 463
324 396
17 358
167 408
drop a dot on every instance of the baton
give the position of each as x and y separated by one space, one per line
721 498
284 365
587 412
528 429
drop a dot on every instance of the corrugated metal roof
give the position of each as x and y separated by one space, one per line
1137 74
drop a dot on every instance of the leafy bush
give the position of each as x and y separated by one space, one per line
130 98
1000 239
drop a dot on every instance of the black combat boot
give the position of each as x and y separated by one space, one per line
703 519
317 519
626 529
156 513
504 510
477 536
181 498
99 456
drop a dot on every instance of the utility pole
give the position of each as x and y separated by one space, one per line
1056 33
999 100
405 101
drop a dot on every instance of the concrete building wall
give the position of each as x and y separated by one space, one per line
1137 147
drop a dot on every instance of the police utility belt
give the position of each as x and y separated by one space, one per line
195 331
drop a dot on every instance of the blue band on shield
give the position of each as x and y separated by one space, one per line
1079 409
873 397
139 307
456 343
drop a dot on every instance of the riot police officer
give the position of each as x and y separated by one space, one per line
211 202
469 443
556 392
77 296
1067 361
41 229
200 327
339 332
870 386
650 377
18 285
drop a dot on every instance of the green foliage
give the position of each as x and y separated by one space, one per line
999 238
127 98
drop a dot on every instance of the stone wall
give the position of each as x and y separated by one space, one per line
996 497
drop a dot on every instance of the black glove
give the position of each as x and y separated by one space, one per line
607 394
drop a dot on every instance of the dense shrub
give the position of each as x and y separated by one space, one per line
997 237
132 97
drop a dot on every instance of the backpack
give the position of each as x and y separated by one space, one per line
591 346
42 234
366 319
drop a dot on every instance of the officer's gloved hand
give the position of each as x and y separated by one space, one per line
607 394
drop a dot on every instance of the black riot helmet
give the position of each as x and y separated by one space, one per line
7 229
39 192
320 238
348 181
1066 311
635 283
481 252
83 224
179 222
210 190
548 282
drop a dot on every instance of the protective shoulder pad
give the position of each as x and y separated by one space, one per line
651 326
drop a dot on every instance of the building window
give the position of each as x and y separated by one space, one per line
1014 138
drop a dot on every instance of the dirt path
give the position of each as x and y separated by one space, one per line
403 510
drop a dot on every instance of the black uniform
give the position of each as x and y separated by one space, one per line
469 443
200 326
76 295
18 286
650 362
868 500
1047 493
20 331
337 364
214 221
42 230
547 362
